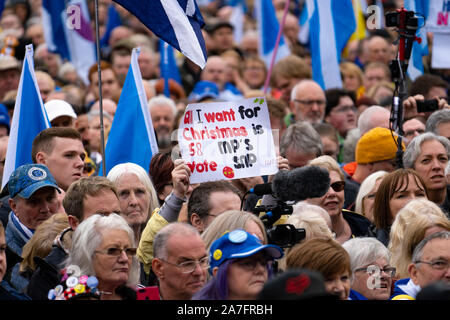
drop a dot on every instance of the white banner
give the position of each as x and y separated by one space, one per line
227 140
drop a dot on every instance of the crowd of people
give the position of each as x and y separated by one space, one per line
381 231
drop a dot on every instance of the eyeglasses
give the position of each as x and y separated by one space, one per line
311 102
189 266
437 264
338 186
345 109
249 264
115 252
390 271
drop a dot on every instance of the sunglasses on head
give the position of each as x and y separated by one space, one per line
338 186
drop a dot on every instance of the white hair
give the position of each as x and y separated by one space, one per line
162 100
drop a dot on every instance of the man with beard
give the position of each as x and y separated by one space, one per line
163 112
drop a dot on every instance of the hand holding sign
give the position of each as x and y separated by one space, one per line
227 140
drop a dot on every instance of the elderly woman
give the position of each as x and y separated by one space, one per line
240 266
104 247
428 154
345 224
396 189
327 257
366 194
372 273
137 196
417 220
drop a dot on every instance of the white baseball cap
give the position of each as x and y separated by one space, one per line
57 108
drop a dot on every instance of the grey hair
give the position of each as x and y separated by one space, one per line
414 148
418 250
164 235
302 137
365 119
162 100
365 250
89 235
366 186
120 169
436 118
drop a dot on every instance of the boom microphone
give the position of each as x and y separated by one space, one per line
296 185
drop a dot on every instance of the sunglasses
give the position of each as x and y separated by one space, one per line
338 186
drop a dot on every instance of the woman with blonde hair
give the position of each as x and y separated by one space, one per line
418 219
346 224
231 220
352 78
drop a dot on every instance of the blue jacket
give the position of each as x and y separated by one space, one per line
355 295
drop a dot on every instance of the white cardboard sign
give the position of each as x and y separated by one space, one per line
227 140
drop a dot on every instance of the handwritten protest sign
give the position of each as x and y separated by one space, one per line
227 140
438 23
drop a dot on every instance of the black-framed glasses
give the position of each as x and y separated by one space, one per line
390 271
189 266
115 252
338 186
250 263
437 264
311 102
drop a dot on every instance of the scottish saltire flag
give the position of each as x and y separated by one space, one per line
113 20
168 66
67 31
131 138
178 22
415 67
360 10
331 25
237 18
268 28
28 120
2 6
303 21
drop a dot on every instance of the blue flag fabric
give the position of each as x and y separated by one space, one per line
28 120
113 21
268 28
168 66
178 22
131 138
331 25
415 67
67 31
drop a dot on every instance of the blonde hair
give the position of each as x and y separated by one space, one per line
409 228
228 221
41 242
349 67
328 163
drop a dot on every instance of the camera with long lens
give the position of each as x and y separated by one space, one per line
285 235
282 235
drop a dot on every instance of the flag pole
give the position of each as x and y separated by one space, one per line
100 96
277 43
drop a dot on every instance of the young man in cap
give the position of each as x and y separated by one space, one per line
9 74
60 113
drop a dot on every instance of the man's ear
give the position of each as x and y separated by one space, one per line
12 204
214 271
197 222
41 158
412 270
73 221
158 268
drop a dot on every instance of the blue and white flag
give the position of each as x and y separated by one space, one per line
237 18
28 120
131 138
331 25
415 67
168 66
67 31
178 22
268 28
303 21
